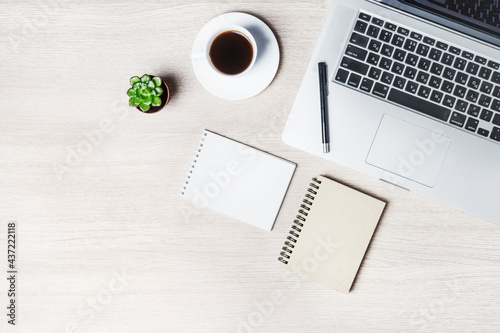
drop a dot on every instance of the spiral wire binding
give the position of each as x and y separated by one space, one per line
298 223
193 162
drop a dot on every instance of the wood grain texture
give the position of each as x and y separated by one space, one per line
106 245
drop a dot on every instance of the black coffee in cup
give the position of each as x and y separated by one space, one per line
231 52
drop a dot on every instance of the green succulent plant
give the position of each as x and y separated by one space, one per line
145 92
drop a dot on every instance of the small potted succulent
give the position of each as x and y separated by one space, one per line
148 94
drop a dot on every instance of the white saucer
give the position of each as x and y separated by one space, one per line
252 82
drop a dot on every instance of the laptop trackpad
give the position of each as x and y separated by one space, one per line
408 150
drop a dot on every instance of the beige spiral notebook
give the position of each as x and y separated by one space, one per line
331 233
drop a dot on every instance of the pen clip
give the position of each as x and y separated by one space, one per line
325 73
323 76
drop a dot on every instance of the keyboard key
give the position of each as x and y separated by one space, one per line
374 73
356 52
380 90
495 105
387 50
403 31
374 45
437 68
390 26
373 31
397 68
459 91
485 73
461 78
411 87
495 134
455 50
422 77
483 132
471 124
366 85
460 63
472 68
496 92
399 55
399 82
447 59
410 73
354 65
410 45
354 80
398 40
486 115
485 102
494 65
473 110
377 21
373 58
385 63
442 46
435 82
449 101
449 73
486 87
496 77
411 59
364 17
423 50
416 36
472 96
342 75
387 77
359 40
480 60
435 54
461 105
474 83
467 55
361 26
419 104
385 36
447 86
428 40
424 91
424 64
437 96
457 119
496 119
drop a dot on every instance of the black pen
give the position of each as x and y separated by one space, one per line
323 95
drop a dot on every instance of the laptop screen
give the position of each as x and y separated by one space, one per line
478 18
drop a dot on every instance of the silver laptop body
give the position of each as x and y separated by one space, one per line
400 131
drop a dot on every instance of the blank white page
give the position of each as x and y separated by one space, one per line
237 180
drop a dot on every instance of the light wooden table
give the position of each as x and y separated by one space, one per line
106 245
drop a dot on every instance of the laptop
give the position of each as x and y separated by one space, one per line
414 97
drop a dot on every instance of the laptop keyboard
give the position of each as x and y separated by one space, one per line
424 74
486 11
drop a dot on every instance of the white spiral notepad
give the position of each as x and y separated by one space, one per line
237 180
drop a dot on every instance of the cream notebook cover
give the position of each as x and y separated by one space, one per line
237 180
329 238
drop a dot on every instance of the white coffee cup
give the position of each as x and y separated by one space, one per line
227 65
